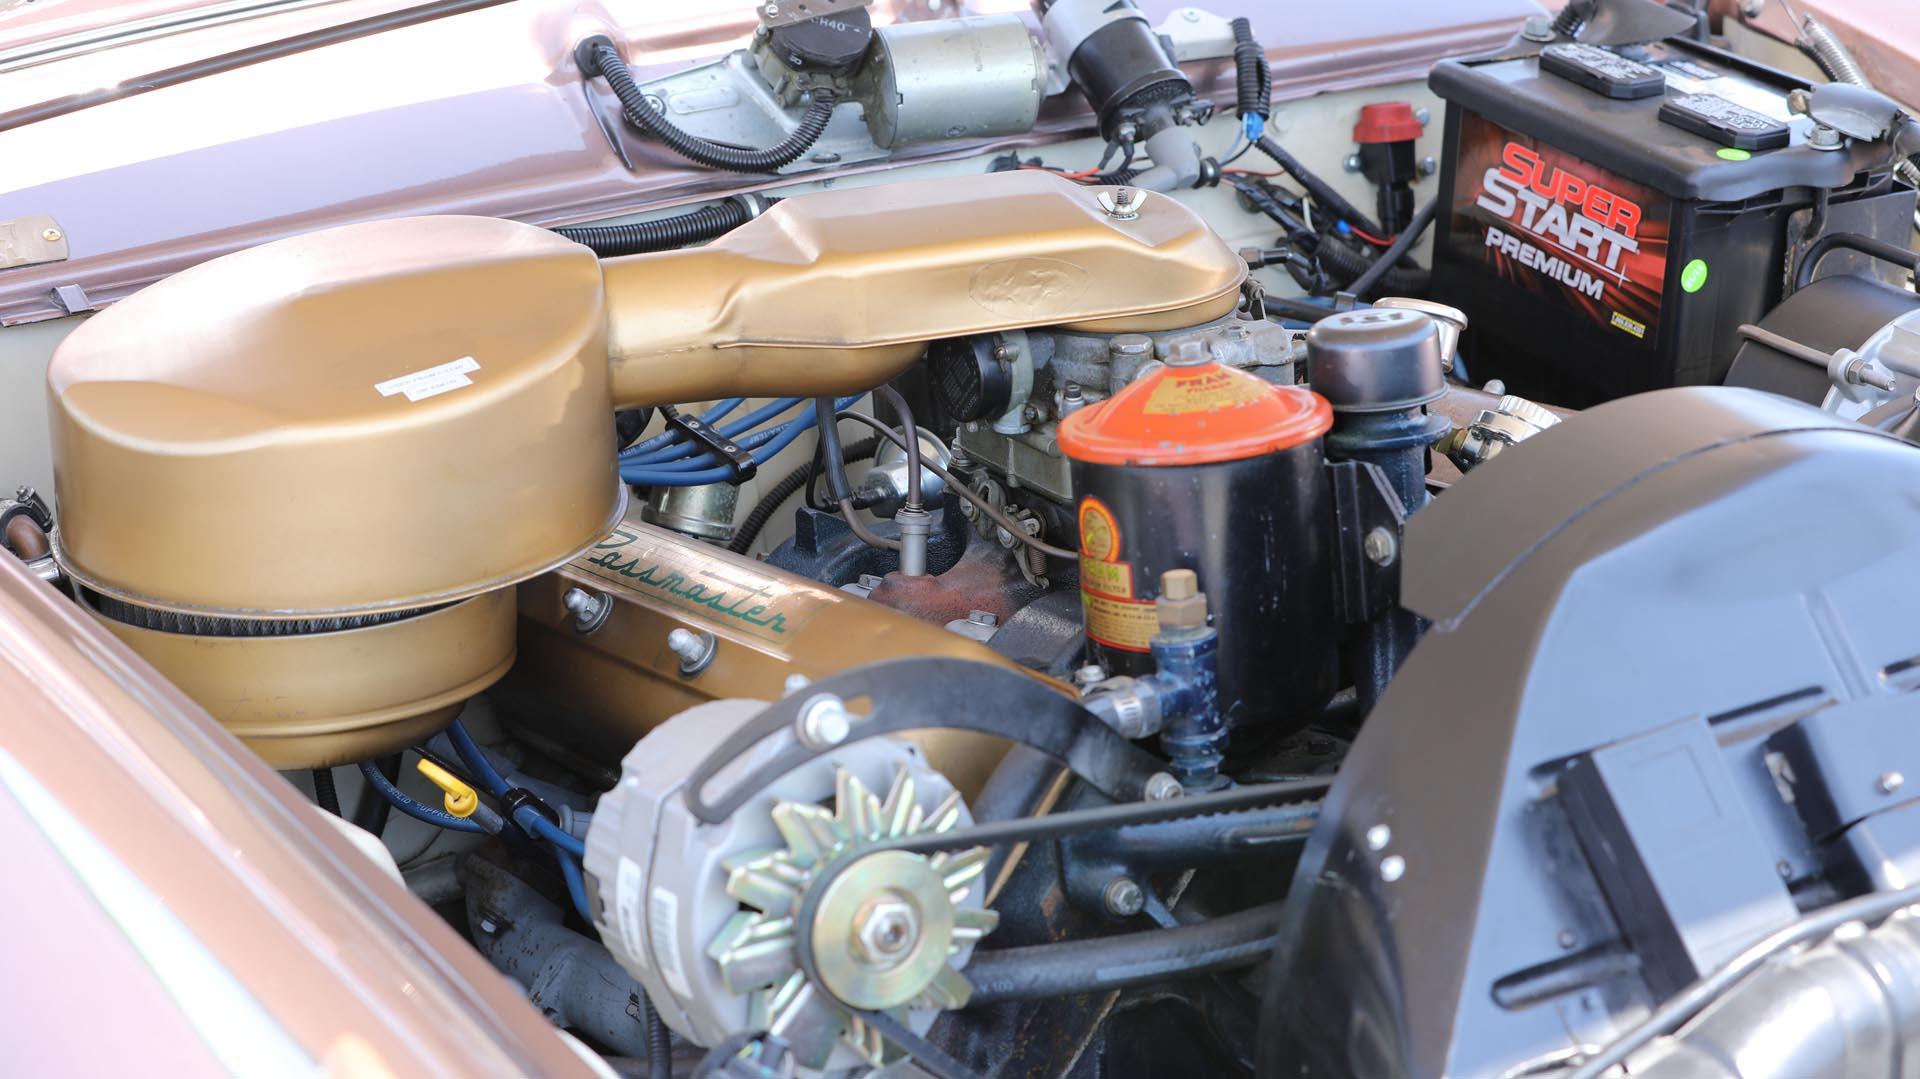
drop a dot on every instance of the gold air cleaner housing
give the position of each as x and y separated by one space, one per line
297 477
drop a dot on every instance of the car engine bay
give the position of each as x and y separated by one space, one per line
1039 552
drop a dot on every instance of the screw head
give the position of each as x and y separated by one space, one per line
589 610
1429 165
1351 163
1424 115
1380 547
1162 786
1825 138
52 236
823 722
1890 782
1392 868
1090 675
695 650
1537 28
1567 938
1124 898
983 618
794 684
1378 837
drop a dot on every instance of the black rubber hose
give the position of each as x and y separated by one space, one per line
1345 263
1316 187
372 810
598 56
1395 251
1104 963
905 417
660 234
1297 310
324 792
659 1043
1253 80
838 489
770 503
1852 241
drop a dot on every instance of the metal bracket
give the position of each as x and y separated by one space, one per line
738 460
31 240
1369 525
72 299
930 694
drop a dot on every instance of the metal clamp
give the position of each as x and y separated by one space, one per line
739 461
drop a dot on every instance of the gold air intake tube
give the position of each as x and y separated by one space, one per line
298 478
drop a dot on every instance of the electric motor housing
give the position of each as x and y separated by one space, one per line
1115 58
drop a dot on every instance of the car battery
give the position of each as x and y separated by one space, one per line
1609 217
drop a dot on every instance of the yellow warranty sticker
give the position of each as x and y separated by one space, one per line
1107 578
1203 390
1125 624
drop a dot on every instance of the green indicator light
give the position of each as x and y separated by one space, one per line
1733 153
1693 277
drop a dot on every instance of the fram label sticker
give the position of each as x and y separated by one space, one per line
431 382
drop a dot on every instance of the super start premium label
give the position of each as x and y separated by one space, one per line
1565 230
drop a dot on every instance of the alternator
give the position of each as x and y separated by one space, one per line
703 915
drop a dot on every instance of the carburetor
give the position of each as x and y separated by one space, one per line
1009 391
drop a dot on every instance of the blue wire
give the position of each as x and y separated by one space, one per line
576 886
720 409
476 759
687 448
654 477
709 460
416 810
529 818
759 415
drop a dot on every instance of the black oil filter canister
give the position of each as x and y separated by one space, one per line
1204 467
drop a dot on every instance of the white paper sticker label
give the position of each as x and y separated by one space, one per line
663 925
433 381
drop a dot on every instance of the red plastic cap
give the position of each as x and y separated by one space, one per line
1193 416
1388 121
